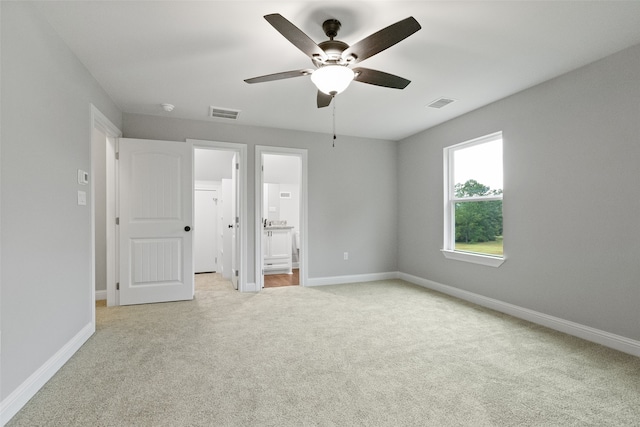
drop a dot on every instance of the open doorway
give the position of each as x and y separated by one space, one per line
220 210
281 208
214 203
104 136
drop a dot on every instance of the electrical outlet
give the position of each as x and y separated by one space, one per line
346 256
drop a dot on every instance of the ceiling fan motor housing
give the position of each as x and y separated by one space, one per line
333 49
331 27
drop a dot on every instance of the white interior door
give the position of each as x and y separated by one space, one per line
221 233
227 225
156 214
205 230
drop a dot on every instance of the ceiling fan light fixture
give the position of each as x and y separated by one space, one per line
332 79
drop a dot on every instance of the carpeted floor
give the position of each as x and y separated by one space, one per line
373 354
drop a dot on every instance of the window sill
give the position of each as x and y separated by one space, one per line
490 261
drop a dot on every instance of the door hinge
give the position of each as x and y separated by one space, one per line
236 273
117 156
117 286
237 166
117 220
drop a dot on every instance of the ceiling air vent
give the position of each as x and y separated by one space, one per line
223 113
441 102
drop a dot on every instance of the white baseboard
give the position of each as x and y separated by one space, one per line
21 395
588 333
355 278
101 295
250 287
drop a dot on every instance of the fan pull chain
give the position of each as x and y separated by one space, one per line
334 122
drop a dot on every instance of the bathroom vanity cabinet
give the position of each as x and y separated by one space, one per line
276 250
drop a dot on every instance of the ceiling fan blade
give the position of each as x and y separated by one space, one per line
296 36
383 39
323 99
379 78
280 76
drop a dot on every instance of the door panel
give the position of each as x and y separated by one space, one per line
156 210
227 225
236 223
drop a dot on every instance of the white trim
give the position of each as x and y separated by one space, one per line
490 261
241 149
588 333
304 197
251 287
354 278
477 141
450 200
100 122
101 295
207 185
25 391
112 212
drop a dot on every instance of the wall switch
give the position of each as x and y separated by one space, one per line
83 177
346 256
82 198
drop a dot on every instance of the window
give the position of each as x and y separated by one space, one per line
473 201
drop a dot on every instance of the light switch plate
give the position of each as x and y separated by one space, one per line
83 177
82 198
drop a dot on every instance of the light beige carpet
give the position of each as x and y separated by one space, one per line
373 354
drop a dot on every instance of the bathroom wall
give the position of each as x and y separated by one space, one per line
285 171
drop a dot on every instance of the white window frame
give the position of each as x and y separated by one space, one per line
448 248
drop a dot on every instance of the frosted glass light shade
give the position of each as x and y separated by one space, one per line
332 79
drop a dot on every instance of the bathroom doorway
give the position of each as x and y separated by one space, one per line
281 196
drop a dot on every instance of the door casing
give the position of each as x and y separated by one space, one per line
259 181
101 123
241 232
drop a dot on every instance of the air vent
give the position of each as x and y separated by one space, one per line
441 102
223 113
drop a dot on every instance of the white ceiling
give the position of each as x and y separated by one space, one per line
197 54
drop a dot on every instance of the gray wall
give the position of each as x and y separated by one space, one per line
572 150
571 205
46 236
352 190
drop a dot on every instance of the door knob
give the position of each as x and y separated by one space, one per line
187 228
230 225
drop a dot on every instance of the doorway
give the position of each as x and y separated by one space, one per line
102 180
214 206
106 141
221 167
281 209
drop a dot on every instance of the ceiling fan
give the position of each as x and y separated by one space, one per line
333 58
